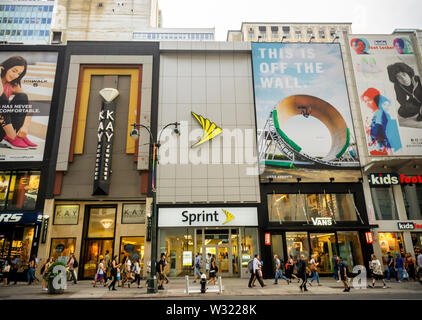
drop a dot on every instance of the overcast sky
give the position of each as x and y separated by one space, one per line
367 16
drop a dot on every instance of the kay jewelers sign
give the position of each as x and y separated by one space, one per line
208 217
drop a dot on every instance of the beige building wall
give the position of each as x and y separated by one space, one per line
214 80
103 19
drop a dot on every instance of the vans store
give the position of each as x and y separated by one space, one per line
228 233
309 222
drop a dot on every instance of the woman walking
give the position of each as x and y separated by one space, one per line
289 270
137 271
314 269
32 265
213 271
100 273
377 273
6 272
410 262
114 267
49 262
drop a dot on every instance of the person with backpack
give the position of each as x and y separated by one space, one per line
72 263
160 270
279 270
314 269
342 273
197 267
302 272
377 273
257 273
399 263
43 271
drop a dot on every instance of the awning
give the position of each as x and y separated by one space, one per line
21 217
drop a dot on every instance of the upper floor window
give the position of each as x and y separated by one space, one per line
298 34
286 32
309 33
412 196
19 190
321 34
384 203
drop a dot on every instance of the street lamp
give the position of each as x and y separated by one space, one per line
153 159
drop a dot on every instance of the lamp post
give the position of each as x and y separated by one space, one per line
153 159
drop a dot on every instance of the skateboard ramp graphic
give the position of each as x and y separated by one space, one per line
273 136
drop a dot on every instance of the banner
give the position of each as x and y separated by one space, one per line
390 93
303 115
26 89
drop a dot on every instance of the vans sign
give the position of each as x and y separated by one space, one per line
322 221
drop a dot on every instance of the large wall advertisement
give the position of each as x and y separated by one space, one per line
303 115
26 89
390 94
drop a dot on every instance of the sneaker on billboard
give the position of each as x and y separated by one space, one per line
30 144
17 143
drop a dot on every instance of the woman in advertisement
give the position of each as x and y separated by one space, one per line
408 90
14 120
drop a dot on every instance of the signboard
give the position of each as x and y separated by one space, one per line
389 87
187 258
105 137
387 179
133 213
369 237
303 116
25 102
267 239
21 217
44 230
408 225
207 217
322 221
66 214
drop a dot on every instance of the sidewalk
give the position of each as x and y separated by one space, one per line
176 289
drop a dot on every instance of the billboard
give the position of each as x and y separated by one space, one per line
303 115
26 89
390 93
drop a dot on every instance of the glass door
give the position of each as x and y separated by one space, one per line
223 260
95 250
323 246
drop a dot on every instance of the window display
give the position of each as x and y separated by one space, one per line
391 242
297 244
323 247
350 248
19 190
134 248
62 247
417 241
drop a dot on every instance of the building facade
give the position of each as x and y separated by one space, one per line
98 199
26 22
180 34
28 125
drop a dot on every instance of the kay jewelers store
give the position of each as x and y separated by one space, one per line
230 234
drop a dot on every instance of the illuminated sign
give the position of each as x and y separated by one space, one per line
408 225
369 237
322 221
267 239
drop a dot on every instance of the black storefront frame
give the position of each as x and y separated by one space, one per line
274 228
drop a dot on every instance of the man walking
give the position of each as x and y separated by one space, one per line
342 273
278 270
107 262
334 262
197 273
399 265
302 272
419 270
256 272
160 271
390 267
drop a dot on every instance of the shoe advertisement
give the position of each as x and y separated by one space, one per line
26 88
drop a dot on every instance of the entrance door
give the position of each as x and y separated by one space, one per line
323 247
94 251
221 254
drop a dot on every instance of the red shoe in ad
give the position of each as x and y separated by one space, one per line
17 143
30 144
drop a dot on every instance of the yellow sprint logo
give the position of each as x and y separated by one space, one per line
229 216
211 130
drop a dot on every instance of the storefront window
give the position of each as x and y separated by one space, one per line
177 244
4 187
297 244
17 242
249 245
23 191
134 248
350 248
412 196
303 207
101 222
323 248
391 242
62 247
417 242
235 252
384 204
277 248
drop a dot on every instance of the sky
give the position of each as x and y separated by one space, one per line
366 16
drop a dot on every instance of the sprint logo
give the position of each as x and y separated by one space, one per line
211 130
229 216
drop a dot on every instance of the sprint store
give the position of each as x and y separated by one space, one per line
228 233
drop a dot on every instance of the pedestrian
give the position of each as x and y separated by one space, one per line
129 271
390 267
166 280
279 270
207 265
399 264
342 274
6 272
114 267
419 268
148 272
160 271
302 272
314 270
377 273
213 271
32 266
125 271
255 274
101 270
334 262
259 276
43 272
72 264
290 265
14 270
137 272
197 267
107 261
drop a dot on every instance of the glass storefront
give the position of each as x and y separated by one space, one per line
134 248
412 196
350 249
62 248
303 207
391 242
226 245
417 242
297 244
384 203
323 247
16 242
